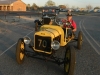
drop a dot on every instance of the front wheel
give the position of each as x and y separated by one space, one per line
69 60
20 51
36 26
80 40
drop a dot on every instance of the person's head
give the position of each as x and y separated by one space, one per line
69 16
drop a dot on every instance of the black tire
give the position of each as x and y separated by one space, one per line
70 60
80 39
36 26
20 51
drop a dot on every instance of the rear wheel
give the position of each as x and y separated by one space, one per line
70 60
80 39
36 26
20 51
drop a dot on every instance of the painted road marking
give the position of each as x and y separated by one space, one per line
13 44
90 35
81 23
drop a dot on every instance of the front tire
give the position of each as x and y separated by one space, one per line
20 48
69 60
36 26
80 39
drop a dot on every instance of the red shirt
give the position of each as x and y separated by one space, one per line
73 24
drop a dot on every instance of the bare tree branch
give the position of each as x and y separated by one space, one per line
89 7
50 3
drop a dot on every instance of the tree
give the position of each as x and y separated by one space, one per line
73 7
28 6
89 7
34 7
50 3
77 8
67 6
96 8
62 6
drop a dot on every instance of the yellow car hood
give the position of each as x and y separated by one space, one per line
48 32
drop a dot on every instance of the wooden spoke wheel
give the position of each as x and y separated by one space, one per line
80 40
69 60
36 26
20 51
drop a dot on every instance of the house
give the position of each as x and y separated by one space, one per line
12 5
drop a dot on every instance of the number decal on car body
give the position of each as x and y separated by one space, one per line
42 43
39 42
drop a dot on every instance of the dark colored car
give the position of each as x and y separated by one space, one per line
48 13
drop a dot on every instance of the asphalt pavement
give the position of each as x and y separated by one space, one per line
87 59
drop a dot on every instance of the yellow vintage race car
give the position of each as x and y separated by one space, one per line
53 43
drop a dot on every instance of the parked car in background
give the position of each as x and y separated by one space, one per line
48 13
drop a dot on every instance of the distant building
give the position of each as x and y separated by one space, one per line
12 5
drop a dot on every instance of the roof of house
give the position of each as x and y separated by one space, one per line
4 2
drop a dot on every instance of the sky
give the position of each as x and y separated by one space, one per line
70 3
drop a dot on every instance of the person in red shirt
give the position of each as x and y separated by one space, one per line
69 19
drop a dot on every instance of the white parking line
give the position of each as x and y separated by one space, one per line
90 35
81 23
13 45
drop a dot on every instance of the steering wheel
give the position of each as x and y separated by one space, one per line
58 21
68 23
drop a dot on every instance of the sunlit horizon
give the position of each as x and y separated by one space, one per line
70 3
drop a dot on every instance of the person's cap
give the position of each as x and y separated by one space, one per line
69 14
70 10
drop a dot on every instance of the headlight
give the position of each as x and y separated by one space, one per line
27 40
55 45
